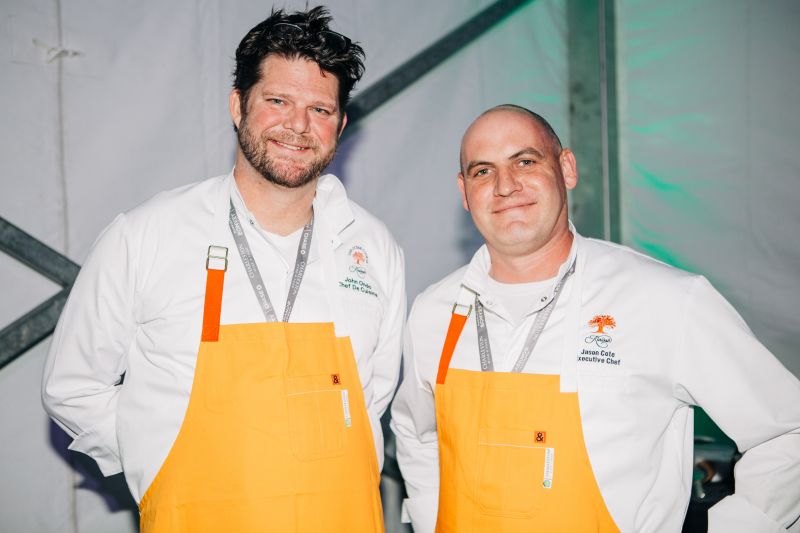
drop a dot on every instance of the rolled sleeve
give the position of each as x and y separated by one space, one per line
735 514
95 444
387 355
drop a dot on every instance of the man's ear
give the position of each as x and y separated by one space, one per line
462 187
343 124
569 168
235 107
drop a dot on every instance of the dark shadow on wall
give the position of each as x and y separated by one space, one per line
113 490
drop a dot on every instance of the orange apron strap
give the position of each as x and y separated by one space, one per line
216 265
454 330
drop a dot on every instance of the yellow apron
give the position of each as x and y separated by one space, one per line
275 437
511 452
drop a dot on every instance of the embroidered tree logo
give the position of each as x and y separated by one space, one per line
359 257
603 321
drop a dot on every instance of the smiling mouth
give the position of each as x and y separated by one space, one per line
507 208
292 147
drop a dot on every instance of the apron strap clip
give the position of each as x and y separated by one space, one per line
216 265
467 306
217 258
457 321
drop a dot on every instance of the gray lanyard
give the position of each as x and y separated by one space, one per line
255 276
485 350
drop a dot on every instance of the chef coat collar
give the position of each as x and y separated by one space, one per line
331 205
477 274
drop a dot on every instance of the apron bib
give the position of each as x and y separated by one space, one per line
512 456
275 437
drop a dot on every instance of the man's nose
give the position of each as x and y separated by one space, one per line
296 120
506 183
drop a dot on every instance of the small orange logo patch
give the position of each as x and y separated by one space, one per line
359 257
335 379
541 437
603 321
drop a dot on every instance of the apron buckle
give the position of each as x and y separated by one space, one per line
217 258
467 307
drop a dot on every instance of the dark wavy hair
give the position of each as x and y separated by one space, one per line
346 64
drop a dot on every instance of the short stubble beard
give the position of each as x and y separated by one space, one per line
255 151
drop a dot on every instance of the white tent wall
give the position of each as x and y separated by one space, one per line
106 103
709 128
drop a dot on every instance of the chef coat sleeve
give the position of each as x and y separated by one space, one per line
88 351
414 425
388 351
725 370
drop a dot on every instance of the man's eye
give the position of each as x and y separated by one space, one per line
526 162
276 101
321 111
481 172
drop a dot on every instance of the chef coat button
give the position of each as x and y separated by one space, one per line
544 298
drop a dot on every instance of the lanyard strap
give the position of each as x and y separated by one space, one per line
485 350
255 276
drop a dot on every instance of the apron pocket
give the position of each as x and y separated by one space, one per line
510 472
319 414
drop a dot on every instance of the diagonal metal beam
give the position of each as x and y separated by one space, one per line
406 74
35 254
28 330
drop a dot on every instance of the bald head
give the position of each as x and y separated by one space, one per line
537 120
513 181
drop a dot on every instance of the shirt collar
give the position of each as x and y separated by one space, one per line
477 274
331 204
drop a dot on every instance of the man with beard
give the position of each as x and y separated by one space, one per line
542 389
273 423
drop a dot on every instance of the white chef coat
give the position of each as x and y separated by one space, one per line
676 343
137 308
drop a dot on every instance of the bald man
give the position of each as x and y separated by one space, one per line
549 383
